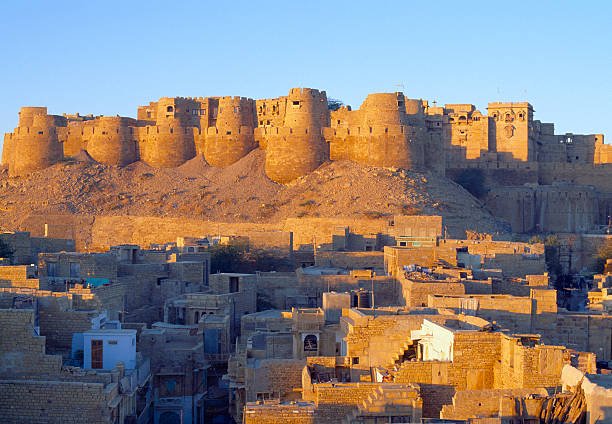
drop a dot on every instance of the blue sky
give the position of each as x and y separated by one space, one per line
108 57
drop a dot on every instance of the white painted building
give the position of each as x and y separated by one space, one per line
435 341
104 348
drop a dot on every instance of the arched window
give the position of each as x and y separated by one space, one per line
170 109
310 343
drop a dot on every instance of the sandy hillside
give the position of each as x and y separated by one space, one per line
240 192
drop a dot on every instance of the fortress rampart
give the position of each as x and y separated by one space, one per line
231 137
111 141
298 147
380 133
34 145
166 146
553 208
299 132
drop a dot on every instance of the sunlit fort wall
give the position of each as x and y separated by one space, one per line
299 133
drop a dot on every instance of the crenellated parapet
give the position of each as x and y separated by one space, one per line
298 133
35 143
229 136
111 140
167 145
296 147
380 132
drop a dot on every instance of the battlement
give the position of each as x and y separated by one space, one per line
235 99
459 108
374 130
285 131
299 132
27 113
171 128
510 105
34 131
243 129
307 92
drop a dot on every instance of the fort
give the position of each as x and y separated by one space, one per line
524 167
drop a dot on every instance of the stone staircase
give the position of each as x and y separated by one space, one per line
397 357
388 399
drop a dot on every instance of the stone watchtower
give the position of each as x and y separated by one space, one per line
35 143
510 131
170 142
298 148
380 133
230 136
112 141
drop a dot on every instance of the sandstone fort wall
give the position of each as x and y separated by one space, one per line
299 133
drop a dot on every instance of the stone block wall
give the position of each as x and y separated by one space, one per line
21 350
36 401
274 413
481 403
426 372
350 260
475 355
58 322
415 293
280 377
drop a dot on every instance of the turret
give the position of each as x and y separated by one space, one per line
384 109
298 147
231 138
35 144
27 114
167 145
306 108
112 141
380 133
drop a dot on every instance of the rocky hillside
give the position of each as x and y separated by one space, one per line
239 193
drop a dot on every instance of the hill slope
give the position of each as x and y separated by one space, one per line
238 193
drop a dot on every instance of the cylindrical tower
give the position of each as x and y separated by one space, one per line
112 141
385 136
232 137
298 147
384 109
306 108
167 146
27 114
7 150
35 146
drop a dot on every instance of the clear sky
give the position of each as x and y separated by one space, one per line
108 57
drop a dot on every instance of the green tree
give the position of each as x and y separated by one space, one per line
551 255
226 259
265 261
334 104
603 252
536 239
